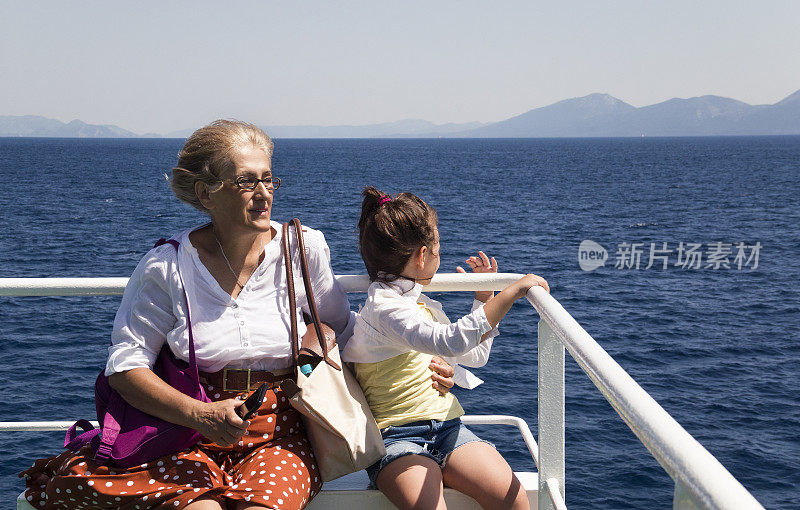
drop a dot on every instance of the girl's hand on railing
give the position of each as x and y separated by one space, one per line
525 283
219 422
481 264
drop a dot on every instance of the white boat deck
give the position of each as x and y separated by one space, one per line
352 492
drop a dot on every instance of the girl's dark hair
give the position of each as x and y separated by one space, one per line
391 229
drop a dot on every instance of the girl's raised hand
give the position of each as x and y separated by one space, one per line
481 264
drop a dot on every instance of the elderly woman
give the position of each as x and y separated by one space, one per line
234 281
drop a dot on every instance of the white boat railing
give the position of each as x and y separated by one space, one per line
700 480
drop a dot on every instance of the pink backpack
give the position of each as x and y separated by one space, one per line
128 436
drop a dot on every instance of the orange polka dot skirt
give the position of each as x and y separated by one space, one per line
272 466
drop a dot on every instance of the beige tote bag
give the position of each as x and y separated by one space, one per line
338 422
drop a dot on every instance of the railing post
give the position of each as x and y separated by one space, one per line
683 499
551 414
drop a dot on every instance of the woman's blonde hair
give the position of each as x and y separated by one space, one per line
209 152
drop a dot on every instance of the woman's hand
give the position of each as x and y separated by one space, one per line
219 422
145 391
442 375
481 264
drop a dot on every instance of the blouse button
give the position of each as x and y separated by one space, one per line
234 305
241 323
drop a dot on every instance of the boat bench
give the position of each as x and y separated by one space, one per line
352 492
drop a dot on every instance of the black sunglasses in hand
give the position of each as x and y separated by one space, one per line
253 402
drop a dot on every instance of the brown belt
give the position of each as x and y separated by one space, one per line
234 379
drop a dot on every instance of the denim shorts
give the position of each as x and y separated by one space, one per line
430 438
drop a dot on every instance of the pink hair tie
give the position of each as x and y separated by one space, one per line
384 199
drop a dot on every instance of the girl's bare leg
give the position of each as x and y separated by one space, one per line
243 505
204 504
479 471
413 482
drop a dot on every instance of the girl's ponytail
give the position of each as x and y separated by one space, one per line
370 204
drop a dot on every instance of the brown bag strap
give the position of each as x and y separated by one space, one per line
292 300
309 295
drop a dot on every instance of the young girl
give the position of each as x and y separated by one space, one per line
397 332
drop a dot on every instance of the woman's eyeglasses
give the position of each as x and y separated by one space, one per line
250 183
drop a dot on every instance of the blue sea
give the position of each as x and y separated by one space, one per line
713 337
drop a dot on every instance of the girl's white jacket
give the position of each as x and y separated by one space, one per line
391 323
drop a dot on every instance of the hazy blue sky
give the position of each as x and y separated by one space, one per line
162 66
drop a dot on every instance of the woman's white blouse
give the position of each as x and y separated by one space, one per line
251 331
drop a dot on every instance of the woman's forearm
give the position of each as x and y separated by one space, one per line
145 391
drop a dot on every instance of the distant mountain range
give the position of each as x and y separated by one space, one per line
604 115
33 125
595 115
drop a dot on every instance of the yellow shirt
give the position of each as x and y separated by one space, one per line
399 390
